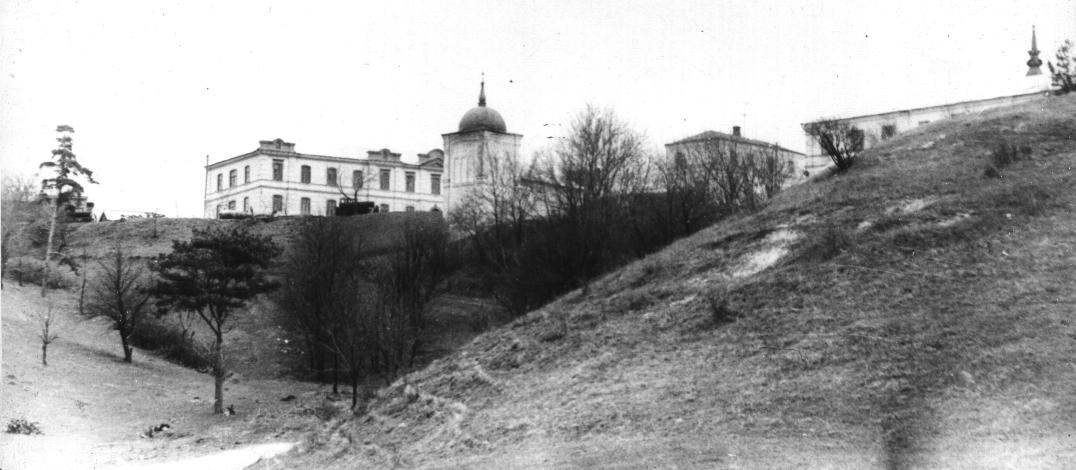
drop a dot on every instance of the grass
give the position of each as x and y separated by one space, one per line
938 336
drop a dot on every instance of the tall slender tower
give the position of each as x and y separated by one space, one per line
1034 64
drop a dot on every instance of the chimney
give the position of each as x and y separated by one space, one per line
736 131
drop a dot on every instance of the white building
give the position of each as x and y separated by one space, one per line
883 126
275 179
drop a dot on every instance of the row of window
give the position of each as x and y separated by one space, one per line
304 206
357 178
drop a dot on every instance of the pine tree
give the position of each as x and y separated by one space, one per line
214 275
63 188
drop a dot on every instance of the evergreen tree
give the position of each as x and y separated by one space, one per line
61 188
214 275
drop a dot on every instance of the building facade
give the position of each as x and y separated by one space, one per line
275 179
879 127
682 150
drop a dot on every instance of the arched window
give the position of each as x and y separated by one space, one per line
304 206
231 205
246 174
356 179
330 177
330 207
233 178
246 204
220 182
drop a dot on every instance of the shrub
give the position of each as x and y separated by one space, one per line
27 269
169 343
22 426
1063 74
720 312
1006 153
826 244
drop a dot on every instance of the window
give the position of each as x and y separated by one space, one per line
233 178
384 208
435 209
278 170
278 203
680 161
304 174
246 174
356 179
246 203
409 181
231 205
410 208
330 177
220 182
435 184
220 207
385 175
304 206
889 130
856 135
330 207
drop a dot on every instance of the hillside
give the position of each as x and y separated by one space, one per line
911 313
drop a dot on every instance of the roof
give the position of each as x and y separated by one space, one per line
715 135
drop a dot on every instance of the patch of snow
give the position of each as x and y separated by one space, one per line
772 249
953 220
912 205
236 459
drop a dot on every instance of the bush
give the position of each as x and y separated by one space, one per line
1005 153
22 426
169 343
27 269
826 244
720 312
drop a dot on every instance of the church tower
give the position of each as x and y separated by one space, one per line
481 138
1034 64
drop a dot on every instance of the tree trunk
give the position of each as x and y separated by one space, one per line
218 375
44 353
126 346
354 387
48 247
82 294
336 374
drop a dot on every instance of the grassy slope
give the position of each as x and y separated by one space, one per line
917 315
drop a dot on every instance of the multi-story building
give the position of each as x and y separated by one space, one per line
274 179
689 148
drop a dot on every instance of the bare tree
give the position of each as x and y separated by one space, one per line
47 334
838 139
119 294
19 196
771 171
587 175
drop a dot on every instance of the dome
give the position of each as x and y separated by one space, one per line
482 118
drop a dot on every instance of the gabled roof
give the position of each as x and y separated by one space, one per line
715 135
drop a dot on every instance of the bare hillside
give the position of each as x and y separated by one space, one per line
912 312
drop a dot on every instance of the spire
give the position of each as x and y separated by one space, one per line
1034 63
482 92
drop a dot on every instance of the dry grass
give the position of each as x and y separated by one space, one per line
921 340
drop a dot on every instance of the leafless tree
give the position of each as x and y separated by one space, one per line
838 139
771 171
118 293
19 205
47 334
587 175
1063 74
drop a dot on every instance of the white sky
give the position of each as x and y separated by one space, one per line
152 87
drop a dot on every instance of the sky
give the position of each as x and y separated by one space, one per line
153 87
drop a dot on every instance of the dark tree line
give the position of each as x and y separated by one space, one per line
361 314
596 200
